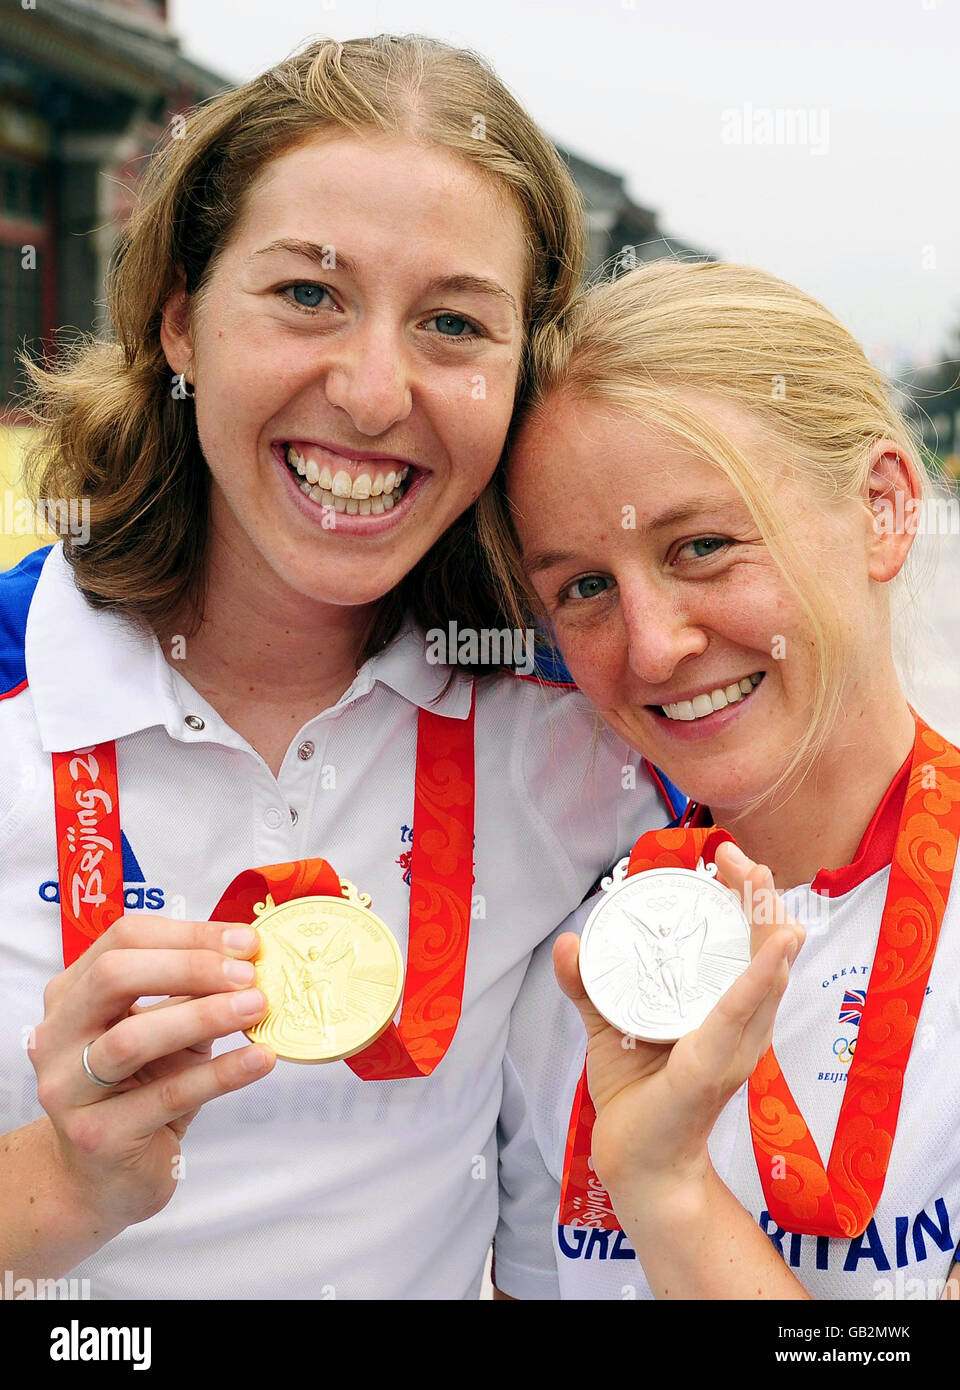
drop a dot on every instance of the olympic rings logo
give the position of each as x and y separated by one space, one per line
844 1048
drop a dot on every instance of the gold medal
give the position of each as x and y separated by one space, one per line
332 974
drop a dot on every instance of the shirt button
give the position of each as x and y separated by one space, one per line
193 721
273 818
306 751
293 814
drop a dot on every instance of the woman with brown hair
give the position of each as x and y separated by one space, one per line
326 305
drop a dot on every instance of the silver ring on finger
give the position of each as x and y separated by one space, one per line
97 1080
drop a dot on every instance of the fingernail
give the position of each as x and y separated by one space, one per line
255 1058
736 855
793 948
249 1001
240 971
238 938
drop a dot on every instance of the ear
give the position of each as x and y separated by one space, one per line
176 337
895 498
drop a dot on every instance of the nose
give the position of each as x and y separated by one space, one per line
368 378
660 632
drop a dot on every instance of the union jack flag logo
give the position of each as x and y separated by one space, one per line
851 1010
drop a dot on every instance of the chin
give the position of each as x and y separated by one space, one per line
318 578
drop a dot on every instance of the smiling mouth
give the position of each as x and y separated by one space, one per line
710 701
357 487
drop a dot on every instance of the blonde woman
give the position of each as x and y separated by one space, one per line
324 308
712 496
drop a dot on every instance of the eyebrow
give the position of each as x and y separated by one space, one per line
673 516
462 283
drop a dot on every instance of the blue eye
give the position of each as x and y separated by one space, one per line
705 546
453 326
590 586
306 295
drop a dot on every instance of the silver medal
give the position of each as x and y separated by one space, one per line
660 948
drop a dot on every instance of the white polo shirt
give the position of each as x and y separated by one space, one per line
908 1248
309 1183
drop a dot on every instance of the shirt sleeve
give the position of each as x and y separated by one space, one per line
542 1064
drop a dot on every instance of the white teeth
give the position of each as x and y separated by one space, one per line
364 495
702 705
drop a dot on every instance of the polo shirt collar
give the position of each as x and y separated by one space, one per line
403 666
96 675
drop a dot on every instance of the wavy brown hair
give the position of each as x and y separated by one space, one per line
110 429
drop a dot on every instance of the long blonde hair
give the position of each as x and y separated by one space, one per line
739 334
110 430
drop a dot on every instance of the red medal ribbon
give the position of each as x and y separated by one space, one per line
89 862
841 1199
90 870
805 1197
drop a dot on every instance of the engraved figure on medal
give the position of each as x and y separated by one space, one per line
332 974
660 947
668 953
315 980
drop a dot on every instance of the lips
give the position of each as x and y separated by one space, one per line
709 701
346 510
351 483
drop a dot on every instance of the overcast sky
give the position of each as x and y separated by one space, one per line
817 140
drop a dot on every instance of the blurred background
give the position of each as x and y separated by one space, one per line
815 141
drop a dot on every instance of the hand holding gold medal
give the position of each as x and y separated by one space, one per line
331 972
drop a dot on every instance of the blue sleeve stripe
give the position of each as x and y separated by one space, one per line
16 592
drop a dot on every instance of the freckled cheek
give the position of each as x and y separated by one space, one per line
598 667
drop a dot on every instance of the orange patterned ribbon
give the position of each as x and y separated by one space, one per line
441 882
801 1195
87 811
